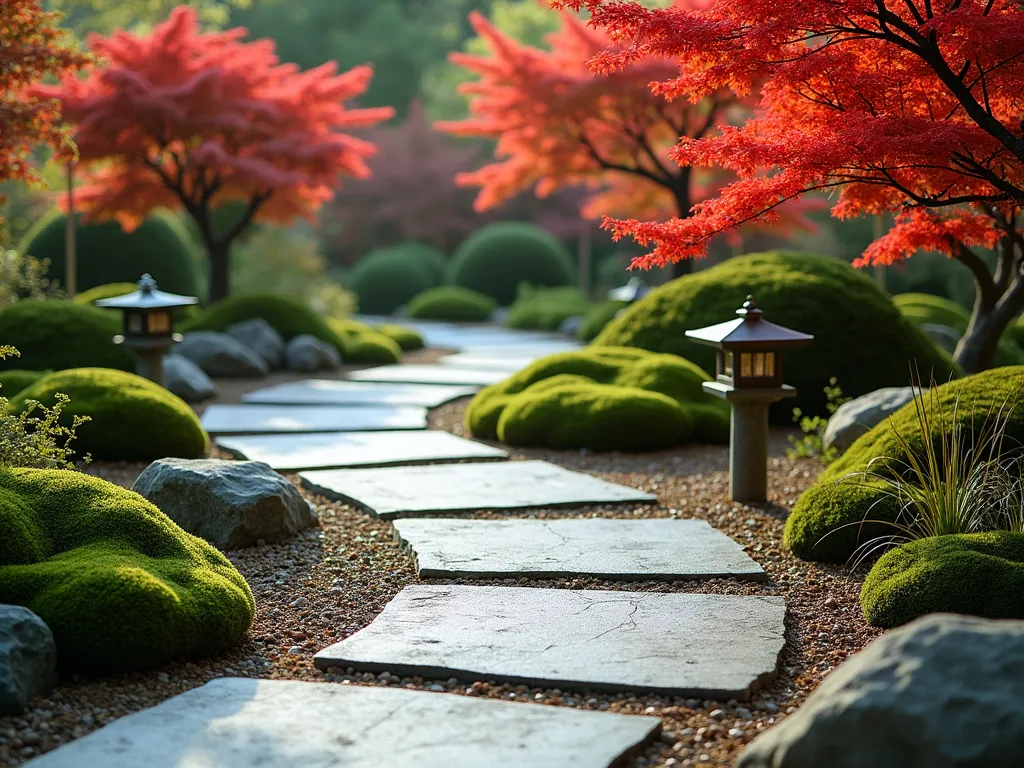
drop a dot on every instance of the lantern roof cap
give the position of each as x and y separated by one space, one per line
148 297
749 329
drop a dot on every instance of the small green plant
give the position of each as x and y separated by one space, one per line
812 443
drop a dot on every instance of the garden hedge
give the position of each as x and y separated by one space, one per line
100 292
825 523
15 380
496 258
107 254
860 337
121 586
387 279
598 316
404 336
131 418
452 303
545 309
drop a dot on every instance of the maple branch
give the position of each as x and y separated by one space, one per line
608 165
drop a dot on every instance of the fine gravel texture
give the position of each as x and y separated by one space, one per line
330 582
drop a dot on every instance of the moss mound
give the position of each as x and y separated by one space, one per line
13 381
922 308
860 337
598 316
452 303
55 335
131 418
387 279
980 574
107 254
363 344
101 292
825 523
120 585
496 258
545 309
405 337
583 400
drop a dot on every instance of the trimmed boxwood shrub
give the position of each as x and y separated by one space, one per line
387 279
545 309
101 292
404 336
825 524
980 574
496 258
13 381
107 254
598 316
363 344
119 584
54 335
131 418
860 337
452 303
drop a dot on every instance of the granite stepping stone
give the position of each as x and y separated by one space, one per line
392 492
430 374
357 449
488 361
241 723
596 547
696 645
333 392
263 419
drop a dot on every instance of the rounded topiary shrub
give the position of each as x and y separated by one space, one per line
452 303
545 309
364 344
496 258
860 337
107 254
119 584
387 279
15 380
404 336
101 292
130 418
52 334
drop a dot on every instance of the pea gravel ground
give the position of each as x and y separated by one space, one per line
329 583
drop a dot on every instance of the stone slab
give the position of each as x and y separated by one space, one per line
508 363
406 491
334 392
241 723
430 374
596 547
357 449
250 419
704 646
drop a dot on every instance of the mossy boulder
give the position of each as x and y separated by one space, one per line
131 418
545 309
498 257
404 336
826 523
860 337
364 344
119 584
598 316
100 292
452 303
13 381
54 335
980 574
387 279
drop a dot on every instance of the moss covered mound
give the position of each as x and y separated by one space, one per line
923 308
980 574
13 381
545 309
387 279
452 303
107 254
497 258
404 336
101 292
131 418
588 394
120 585
826 522
598 316
363 344
860 337
53 334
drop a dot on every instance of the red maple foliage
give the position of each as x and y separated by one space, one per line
905 106
179 119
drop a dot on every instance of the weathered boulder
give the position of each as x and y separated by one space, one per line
261 337
231 504
941 691
28 658
219 354
943 335
852 419
307 354
187 380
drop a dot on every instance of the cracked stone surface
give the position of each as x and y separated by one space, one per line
357 449
696 645
334 392
431 374
265 419
395 491
240 723
598 547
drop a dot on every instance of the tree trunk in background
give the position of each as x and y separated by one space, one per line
70 247
997 301
220 270
681 195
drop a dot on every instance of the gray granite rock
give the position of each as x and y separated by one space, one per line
307 354
28 658
854 418
943 335
187 380
262 338
231 504
944 690
219 354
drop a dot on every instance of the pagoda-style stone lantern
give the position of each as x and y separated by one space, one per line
149 324
749 376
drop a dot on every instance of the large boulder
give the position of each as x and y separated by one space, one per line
219 354
307 354
855 417
261 337
231 504
187 380
28 658
942 691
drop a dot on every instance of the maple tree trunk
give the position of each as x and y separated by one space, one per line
220 270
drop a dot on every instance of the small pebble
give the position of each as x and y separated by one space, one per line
717 714
295 650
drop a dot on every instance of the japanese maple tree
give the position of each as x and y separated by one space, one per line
913 107
183 119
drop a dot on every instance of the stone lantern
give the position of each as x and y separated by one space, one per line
149 325
749 376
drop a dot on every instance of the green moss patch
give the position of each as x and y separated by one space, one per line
363 344
545 309
405 337
452 303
